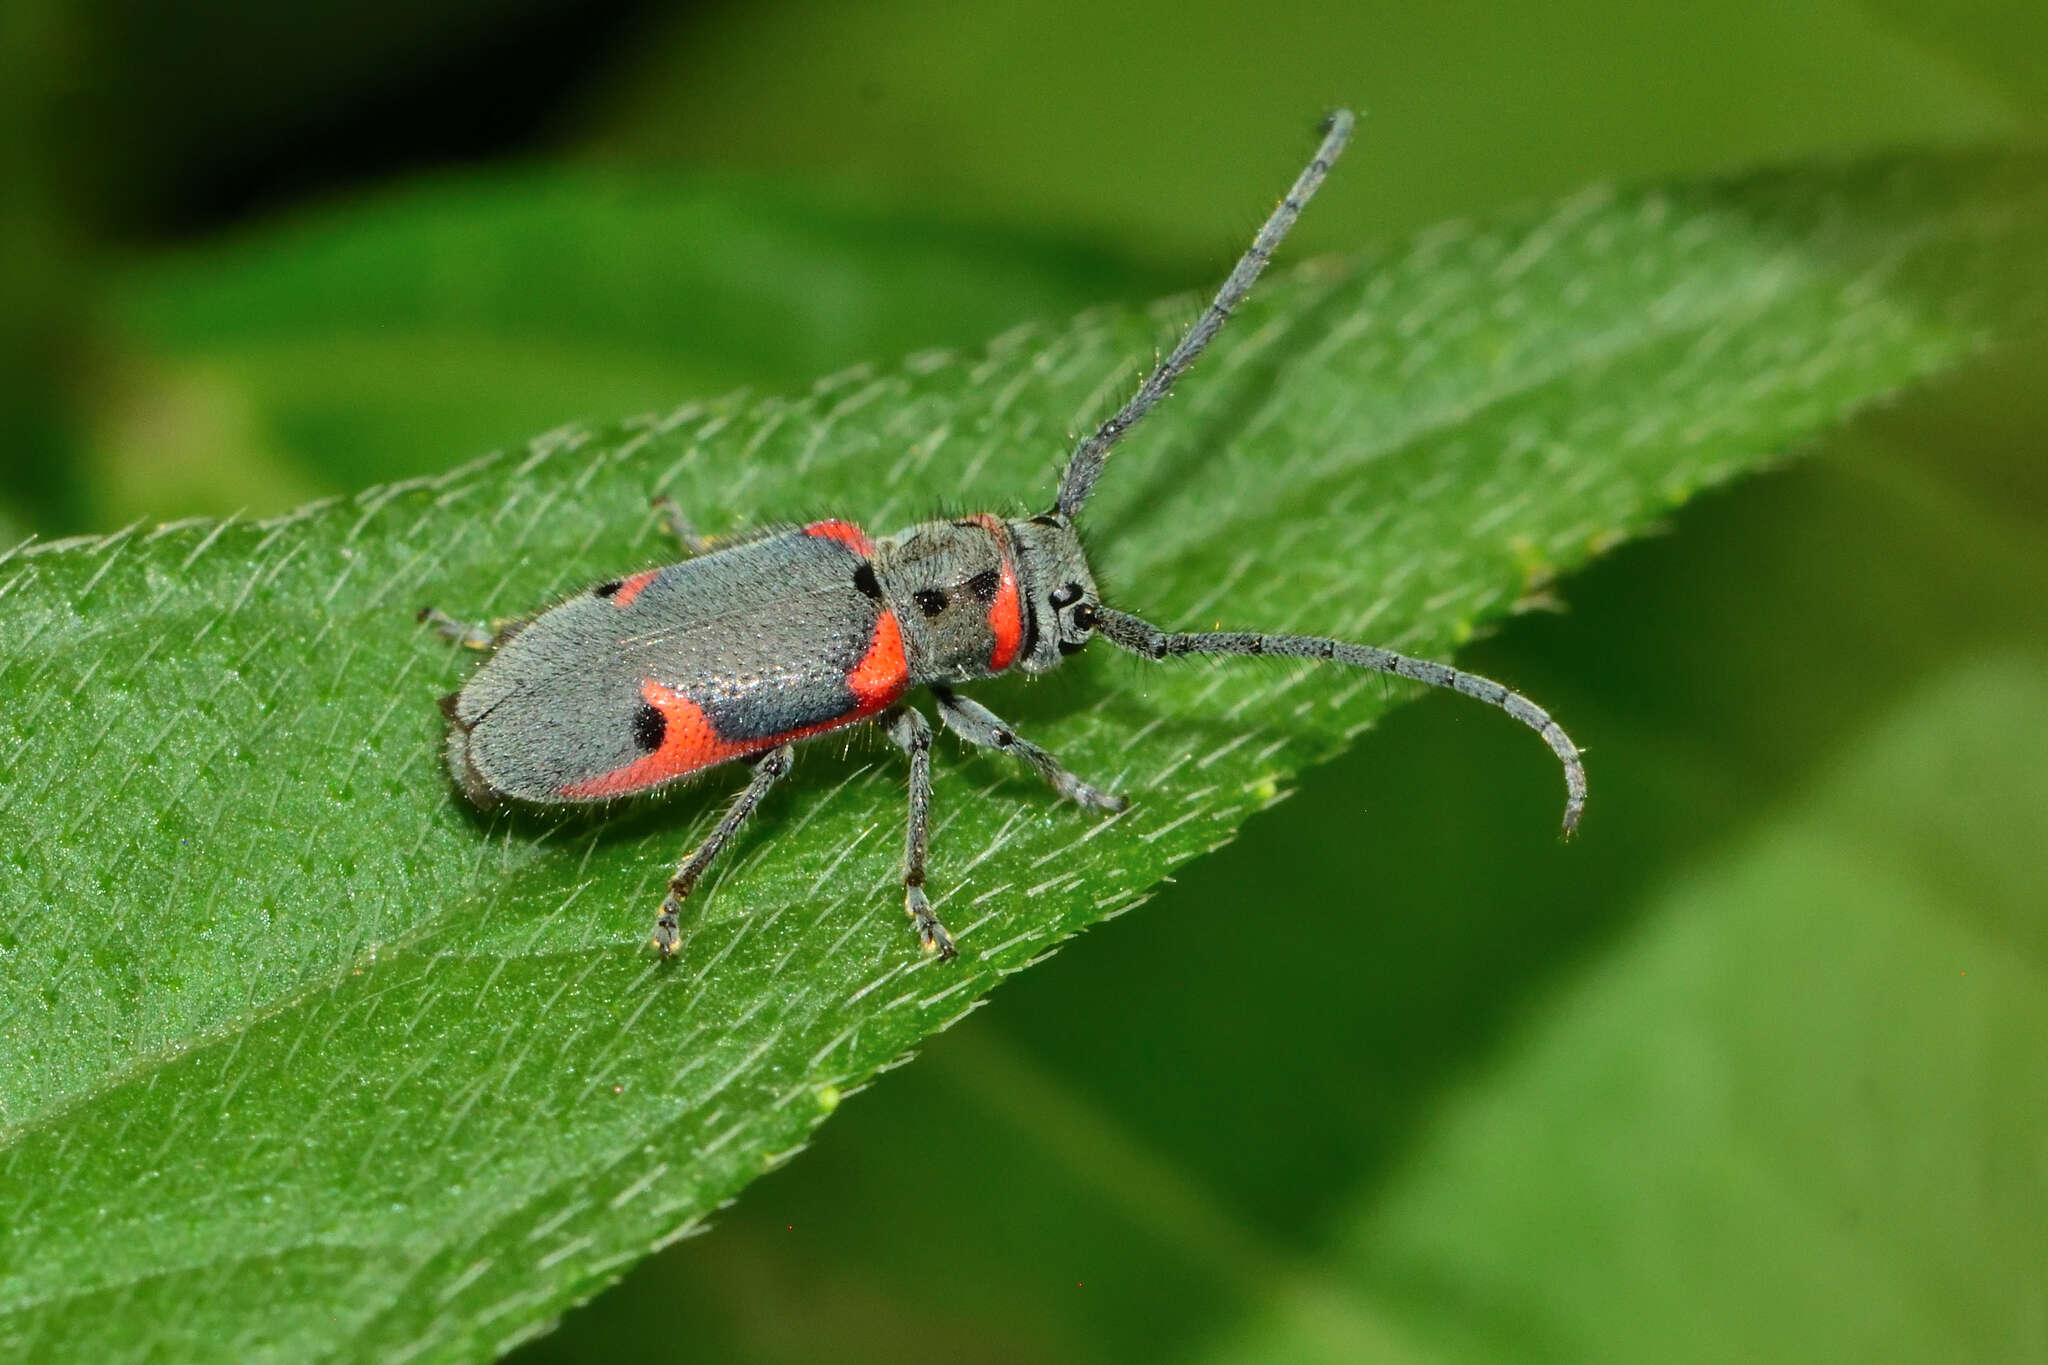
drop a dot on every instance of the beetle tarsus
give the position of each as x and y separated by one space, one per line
668 934
931 935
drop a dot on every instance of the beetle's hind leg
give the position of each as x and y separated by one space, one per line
768 768
679 526
467 635
912 733
977 724
461 632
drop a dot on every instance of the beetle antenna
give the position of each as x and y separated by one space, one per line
1085 465
1128 632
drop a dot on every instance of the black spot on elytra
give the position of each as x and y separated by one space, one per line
650 728
864 579
930 601
607 589
984 584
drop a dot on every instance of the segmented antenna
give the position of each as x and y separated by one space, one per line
1143 638
1085 466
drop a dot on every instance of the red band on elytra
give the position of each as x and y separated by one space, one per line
1005 614
845 532
690 742
630 588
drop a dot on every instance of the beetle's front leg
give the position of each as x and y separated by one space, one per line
977 724
911 733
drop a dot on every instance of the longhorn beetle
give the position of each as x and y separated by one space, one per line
742 651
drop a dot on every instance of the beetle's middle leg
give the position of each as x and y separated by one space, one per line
912 733
668 935
977 724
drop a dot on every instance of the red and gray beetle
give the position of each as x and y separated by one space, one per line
742 651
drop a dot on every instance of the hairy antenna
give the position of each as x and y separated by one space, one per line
1140 637
1085 466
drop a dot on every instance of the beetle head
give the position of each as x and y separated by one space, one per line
1057 591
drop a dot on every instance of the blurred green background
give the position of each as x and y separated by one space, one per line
1755 1069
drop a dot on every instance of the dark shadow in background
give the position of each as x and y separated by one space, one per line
276 104
128 123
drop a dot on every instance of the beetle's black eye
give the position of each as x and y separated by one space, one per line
650 728
1084 616
1065 597
930 601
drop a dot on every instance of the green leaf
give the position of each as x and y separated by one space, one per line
300 1058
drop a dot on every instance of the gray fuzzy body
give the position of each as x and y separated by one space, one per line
778 639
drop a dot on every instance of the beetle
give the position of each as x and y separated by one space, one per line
739 652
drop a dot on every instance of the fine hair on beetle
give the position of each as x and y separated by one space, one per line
752 644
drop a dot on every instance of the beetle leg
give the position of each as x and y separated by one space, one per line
467 635
679 526
768 768
977 724
912 733
461 632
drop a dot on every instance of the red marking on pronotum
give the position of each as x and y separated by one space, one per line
845 532
1005 614
630 588
690 741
